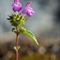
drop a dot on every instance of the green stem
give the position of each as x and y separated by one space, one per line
16 55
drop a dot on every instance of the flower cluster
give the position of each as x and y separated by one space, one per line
17 6
17 19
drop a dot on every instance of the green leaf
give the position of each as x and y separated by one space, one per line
16 48
28 33
14 30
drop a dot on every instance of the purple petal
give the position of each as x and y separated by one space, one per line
16 1
28 4
16 6
28 11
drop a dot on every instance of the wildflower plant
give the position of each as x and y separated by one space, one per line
17 19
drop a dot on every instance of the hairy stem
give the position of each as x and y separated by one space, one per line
16 55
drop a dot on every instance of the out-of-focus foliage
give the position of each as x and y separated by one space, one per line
37 56
30 51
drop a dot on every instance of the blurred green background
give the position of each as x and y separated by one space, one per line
45 24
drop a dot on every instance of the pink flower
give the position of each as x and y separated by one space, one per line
16 6
28 10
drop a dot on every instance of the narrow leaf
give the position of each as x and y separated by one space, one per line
29 33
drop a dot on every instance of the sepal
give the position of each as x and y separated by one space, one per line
17 19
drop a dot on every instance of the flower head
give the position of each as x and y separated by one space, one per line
28 10
16 6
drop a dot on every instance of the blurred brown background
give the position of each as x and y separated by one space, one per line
45 24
